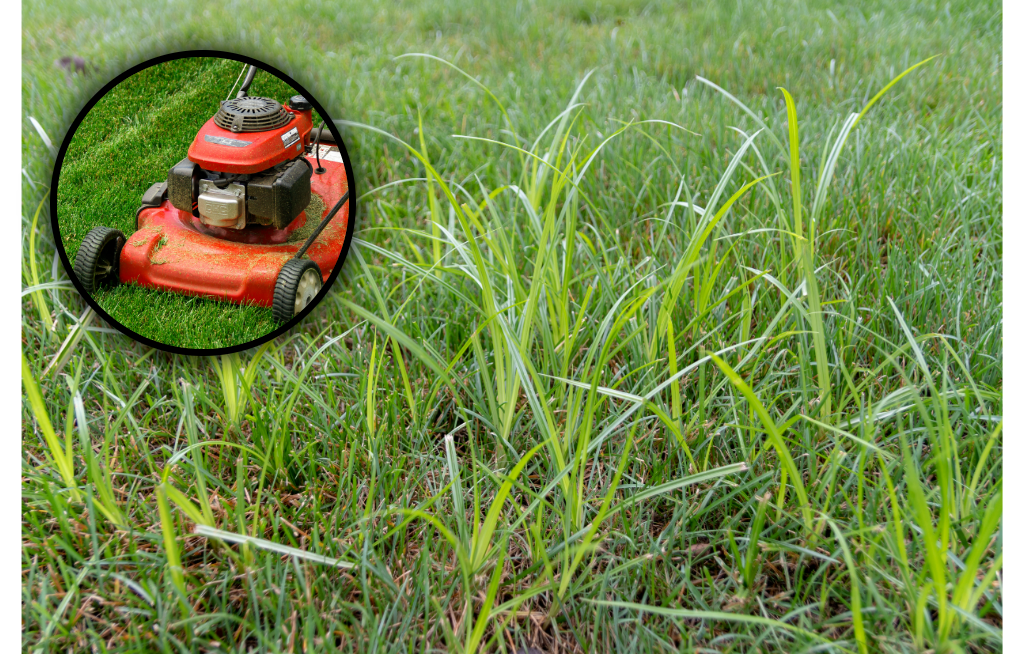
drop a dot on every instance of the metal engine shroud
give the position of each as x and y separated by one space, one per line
245 166
273 198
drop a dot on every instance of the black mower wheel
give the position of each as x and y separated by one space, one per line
298 284
99 258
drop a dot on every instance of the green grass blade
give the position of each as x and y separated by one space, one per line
855 598
714 615
270 546
171 549
37 296
676 484
774 437
62 458
805 259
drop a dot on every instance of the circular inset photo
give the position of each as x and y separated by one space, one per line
203 202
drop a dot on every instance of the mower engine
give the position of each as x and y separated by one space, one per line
245 166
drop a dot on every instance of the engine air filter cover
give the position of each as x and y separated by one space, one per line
217 148
251 114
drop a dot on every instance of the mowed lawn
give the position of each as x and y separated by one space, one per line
631 352
128 141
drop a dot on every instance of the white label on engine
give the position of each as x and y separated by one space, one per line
291 136
220 140
330 153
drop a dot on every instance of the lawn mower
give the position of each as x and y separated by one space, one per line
257 213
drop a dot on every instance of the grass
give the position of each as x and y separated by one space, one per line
127 141
635 351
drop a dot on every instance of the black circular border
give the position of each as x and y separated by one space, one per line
59 162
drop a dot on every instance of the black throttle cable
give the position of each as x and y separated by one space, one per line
320 227
320 170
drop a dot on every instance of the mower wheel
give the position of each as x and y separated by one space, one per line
99 258
297 285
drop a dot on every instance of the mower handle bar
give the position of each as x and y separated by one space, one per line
244 91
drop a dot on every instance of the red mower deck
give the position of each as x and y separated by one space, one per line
173 251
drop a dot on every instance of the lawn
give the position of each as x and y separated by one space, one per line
129 140
631 353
